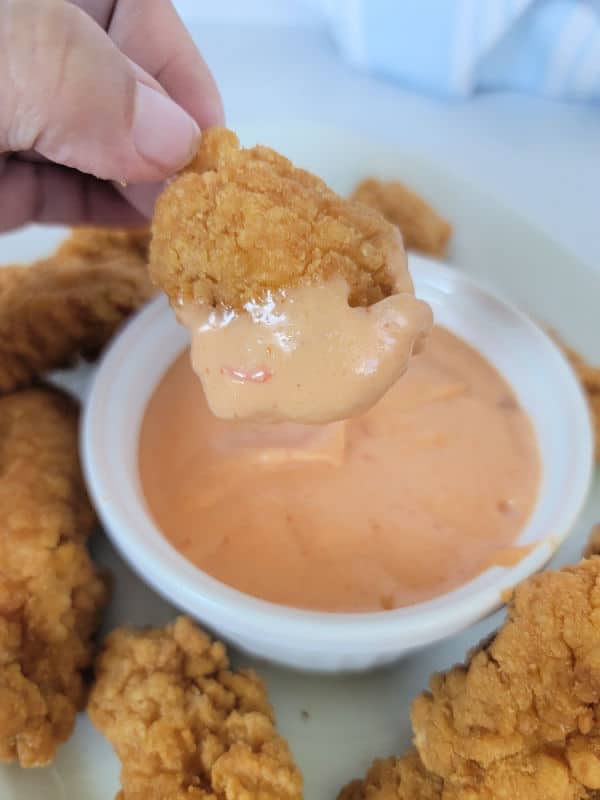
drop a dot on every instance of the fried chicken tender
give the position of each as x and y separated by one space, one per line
239 223
184 726
421 226
70 304
589 378
50 592
521 719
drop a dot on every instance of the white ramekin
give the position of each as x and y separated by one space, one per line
541 378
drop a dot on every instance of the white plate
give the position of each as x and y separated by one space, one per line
351 719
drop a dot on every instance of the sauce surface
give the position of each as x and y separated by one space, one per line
397 506
304 355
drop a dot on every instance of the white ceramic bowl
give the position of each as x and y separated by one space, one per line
319 641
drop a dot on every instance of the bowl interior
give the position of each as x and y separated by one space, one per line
527 358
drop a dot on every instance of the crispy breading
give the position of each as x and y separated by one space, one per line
50 592
184 726
241 222
511 721
99 245
589 377
395 779
70 304
521 719
421 226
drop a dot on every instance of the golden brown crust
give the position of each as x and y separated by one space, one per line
70 304
184 726
402 778
239 223
520 720
99 245
421 226
50 593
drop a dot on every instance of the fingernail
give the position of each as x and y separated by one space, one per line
163 132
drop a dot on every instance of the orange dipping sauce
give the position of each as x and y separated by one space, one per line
401 504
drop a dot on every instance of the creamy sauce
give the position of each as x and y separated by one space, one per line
396 506
303 355
510 556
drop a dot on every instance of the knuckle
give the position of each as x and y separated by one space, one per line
35 39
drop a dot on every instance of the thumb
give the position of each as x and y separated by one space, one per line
71 95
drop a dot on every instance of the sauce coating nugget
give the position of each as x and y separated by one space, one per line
299 303
50 592
520 719
70 304
239 223
184 726
421 226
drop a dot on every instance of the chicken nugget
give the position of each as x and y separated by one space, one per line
299 302
50 592
421 226
184 726
99 245
240 223
519 720
70 304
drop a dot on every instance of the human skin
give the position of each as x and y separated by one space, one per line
102 100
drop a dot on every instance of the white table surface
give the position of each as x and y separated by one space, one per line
540 157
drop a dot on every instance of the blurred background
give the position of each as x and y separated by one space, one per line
504 93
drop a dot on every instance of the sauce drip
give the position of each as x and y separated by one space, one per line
303 355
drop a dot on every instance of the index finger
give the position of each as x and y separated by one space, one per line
152 34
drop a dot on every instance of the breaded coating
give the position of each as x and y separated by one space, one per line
421 226
239 223
592 547
70 304
521 719
97 244
395 779
184 726
589 377
50 592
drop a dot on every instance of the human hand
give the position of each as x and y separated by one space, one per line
96 94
